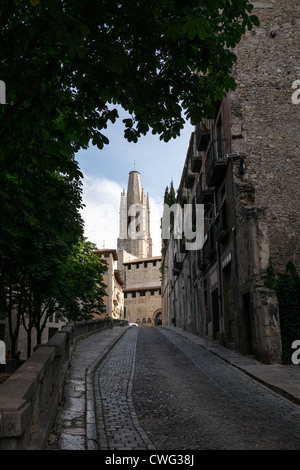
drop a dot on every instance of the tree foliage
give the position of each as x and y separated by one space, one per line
287 287
65 62
288 293
67 66
80 289
170 196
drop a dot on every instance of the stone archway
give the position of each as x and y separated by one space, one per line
157 317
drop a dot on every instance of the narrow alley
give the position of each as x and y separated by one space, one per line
157 389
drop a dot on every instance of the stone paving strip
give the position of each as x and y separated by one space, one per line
76 415
116 424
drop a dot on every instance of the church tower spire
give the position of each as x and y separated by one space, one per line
134 239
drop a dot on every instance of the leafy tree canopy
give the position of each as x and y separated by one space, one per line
68 63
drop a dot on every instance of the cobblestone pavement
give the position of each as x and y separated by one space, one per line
118 427
188 398
152 388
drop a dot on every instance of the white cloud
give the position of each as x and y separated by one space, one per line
101 198
101 212
156 209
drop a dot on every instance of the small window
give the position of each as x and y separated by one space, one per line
133 295
129 267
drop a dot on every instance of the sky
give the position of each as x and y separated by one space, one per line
106 174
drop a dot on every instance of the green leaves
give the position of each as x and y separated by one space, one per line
63 63
287 286
81 287
74 57
191 26
99 140
194 26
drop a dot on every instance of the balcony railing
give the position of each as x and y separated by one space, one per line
201 262
215 163
203 195
202 137
222 227
209 247
196 162
189 177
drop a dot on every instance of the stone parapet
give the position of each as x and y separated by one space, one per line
30 397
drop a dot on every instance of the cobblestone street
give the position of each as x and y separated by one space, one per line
195 400
153 389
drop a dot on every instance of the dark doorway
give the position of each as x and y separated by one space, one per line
158 319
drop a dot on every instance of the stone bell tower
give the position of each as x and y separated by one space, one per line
134 238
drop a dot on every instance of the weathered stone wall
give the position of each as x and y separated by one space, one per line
29 398
265 127
143 272
258 188
143 306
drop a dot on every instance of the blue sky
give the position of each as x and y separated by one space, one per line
106 174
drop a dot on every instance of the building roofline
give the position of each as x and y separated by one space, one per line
133 289
141 260
107 250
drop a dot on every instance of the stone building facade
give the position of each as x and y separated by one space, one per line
114 300
139 269
243 166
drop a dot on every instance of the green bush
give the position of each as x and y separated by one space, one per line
287 286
